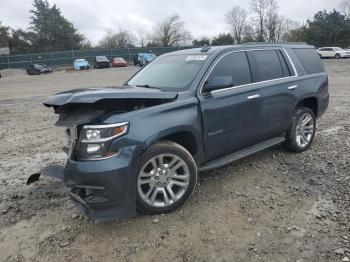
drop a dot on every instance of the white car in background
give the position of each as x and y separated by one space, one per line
333 52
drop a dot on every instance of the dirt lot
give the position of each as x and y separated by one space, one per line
273 206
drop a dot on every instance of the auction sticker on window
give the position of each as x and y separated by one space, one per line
196 57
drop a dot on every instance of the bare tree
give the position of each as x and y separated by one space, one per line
236 18
143 36
273 21
259 8
120 39
171 32
288 27
345 8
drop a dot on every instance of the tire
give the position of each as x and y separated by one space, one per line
299 138
164 181
337 56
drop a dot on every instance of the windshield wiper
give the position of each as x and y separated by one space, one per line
147 86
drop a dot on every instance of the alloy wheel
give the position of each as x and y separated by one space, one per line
163 180
305 130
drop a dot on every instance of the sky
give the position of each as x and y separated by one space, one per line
202 17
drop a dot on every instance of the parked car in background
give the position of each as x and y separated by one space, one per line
102 62
37 69
142 59
333 52
140 146
119 62
81 64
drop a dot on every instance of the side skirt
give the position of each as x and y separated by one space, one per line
228 159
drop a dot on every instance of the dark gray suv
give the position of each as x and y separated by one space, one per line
140 146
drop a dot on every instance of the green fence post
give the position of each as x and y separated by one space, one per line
8 61
72 55
129 62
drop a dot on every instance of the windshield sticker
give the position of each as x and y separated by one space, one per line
196 57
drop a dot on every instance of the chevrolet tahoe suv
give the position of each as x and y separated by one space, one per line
140 146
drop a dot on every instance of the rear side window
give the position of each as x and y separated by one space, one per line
235 65
268 63
310 60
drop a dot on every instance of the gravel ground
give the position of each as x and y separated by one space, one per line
273 206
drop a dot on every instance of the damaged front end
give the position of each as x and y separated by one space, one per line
101 162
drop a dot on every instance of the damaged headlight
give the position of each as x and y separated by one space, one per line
96 139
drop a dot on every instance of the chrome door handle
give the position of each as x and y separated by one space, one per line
253 96
292 87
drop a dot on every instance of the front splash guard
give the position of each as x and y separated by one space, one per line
95 209
55 171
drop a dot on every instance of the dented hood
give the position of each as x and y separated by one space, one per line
93 95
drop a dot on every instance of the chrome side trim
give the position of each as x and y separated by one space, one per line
99 158
250 84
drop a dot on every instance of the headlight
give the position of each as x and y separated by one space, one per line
96 139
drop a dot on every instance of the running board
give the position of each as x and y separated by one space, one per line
228 159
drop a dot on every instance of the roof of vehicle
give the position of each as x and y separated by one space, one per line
209 50
80 60
330 47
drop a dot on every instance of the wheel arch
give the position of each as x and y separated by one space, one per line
309 102
185 137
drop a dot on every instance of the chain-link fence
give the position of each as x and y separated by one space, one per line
66 58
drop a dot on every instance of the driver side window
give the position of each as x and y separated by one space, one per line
235 65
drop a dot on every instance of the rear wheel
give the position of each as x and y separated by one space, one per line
167 175
302 131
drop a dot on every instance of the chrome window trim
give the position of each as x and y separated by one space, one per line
250 84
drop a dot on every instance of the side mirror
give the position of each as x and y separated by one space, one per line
218 82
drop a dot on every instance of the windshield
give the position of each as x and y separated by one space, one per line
337 49
80 60
169 72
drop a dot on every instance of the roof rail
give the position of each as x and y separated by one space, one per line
205 48
275 43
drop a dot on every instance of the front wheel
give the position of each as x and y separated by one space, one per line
167 175
302 131
337 56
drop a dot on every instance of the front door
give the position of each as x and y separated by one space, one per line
231 115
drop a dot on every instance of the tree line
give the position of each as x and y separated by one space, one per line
49 30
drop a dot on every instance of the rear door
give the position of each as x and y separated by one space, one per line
231 115
330 52
276 79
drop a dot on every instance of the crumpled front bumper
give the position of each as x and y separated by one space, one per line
104 190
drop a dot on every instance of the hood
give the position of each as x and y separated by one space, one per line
93 95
